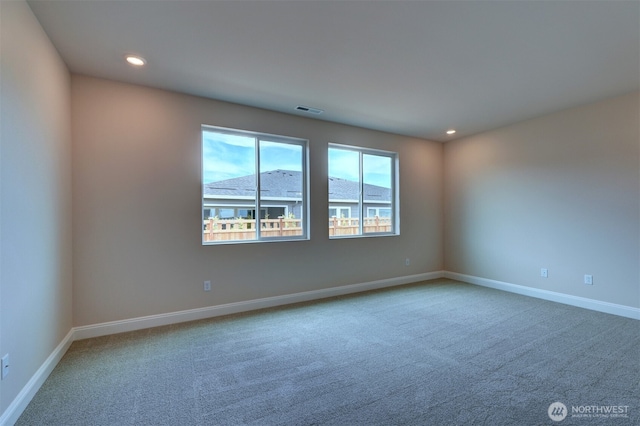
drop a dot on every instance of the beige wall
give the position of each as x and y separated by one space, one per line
35 212
558 192
136 208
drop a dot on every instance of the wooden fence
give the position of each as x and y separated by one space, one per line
351 226
244 229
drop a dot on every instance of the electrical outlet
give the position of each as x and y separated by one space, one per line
5 366
544 272
588 279
407 262
207 286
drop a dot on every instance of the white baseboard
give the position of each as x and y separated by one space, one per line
581 302
21 401
113 327
15 409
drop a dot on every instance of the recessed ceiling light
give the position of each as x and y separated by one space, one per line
450 132
135 60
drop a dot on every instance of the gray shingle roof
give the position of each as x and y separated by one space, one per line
342 189
287 184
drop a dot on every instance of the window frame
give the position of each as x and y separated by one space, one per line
394 203
258 205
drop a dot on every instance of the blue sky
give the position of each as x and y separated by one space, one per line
344 164
229 156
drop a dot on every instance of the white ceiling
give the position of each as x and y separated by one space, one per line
409 67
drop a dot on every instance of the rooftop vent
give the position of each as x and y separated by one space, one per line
309 110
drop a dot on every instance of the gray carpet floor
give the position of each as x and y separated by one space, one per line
433 353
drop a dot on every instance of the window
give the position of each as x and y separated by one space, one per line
336 211
244 173
384 212
362 192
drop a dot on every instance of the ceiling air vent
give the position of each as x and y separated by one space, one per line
309 109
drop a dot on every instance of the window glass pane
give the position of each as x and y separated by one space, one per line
377 192
246 214
344 187
281 181
226 213
273 212
228 173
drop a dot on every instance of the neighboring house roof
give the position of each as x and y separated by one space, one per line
342 189
287 184
275 183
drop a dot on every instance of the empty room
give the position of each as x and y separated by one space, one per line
319 212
